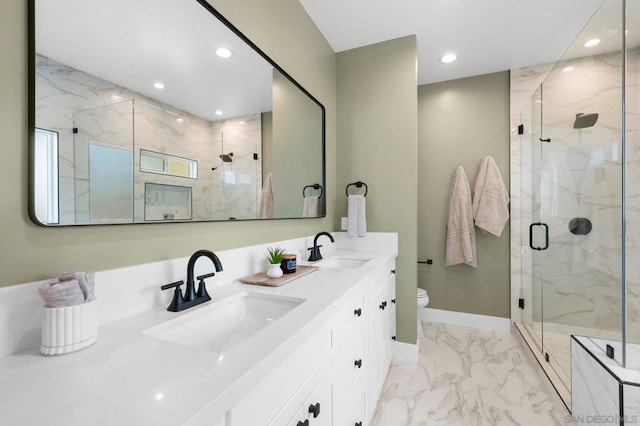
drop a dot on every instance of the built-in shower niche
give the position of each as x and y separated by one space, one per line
167 202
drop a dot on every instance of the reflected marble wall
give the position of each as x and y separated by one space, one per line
63 92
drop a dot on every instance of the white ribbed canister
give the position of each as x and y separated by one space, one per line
69 329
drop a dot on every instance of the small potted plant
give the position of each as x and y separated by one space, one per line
274 255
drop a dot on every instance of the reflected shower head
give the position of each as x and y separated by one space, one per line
585 120
226 158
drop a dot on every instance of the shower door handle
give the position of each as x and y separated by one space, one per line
546 235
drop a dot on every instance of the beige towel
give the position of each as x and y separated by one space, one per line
266 200
356 216
461 236
310 207
490 198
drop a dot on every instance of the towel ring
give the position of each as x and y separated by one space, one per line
357 184
314 186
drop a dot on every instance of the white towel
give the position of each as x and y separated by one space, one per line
310 208
490 198
461 236
266 200
68 290
356 216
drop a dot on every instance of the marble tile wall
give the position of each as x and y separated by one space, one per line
66 95
582 178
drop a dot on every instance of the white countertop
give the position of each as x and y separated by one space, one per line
130 378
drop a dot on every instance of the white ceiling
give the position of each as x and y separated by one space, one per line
487 35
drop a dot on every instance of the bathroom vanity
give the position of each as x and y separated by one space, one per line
312 352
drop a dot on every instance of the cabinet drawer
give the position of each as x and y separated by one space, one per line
352 314
316 410
271 396
350 364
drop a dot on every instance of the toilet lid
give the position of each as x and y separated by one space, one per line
422 292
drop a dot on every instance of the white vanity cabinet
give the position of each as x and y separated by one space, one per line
382 328
336 375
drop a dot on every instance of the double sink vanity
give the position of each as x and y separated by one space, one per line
314 351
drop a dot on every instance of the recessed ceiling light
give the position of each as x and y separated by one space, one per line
242 122
567 69
116 97
448 58
218 112
592 42
158 85
180 120
224 52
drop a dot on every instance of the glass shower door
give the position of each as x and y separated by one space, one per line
532 277
103 175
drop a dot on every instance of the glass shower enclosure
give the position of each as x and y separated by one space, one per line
580 196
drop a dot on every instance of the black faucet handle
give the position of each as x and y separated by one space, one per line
172 285
315 247
202 277
201 293
178 299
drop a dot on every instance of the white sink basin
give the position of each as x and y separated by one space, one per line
341 262
222 325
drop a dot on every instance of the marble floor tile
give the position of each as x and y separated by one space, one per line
467 376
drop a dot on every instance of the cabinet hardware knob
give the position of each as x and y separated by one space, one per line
393 271
358 363
314 409
357 312
393 301
382 306
358 424
305 423
393 337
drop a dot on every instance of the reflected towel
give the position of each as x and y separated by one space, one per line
68 290
356 216
461 237
266 199
310 208
490 198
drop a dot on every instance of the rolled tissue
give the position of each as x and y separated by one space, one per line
69 317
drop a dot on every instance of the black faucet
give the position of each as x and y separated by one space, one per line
191 297
315 250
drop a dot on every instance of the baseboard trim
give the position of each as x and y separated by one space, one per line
405 352
464 319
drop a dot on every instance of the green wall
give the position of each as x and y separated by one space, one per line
282 29
377 133
460 122
296 149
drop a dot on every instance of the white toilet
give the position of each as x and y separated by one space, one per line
423 301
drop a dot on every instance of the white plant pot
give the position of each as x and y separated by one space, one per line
274 271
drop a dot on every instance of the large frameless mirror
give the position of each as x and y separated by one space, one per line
148 112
